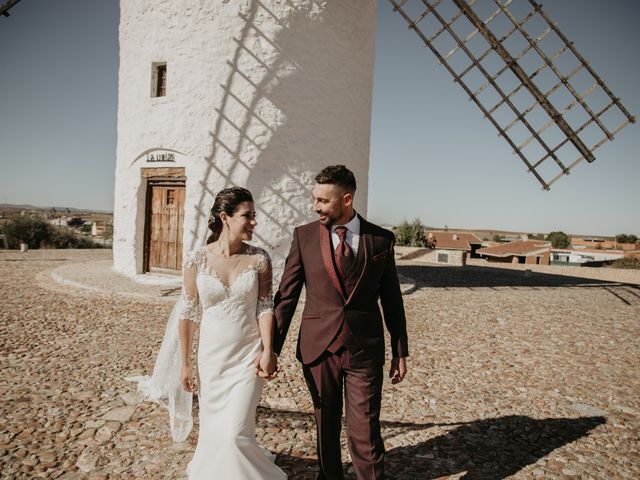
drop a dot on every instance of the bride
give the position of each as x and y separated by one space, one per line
226 292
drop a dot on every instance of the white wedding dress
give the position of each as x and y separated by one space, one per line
225 296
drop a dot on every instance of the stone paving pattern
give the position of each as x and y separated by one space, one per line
512 374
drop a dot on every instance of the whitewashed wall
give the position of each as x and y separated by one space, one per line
454 257
260 94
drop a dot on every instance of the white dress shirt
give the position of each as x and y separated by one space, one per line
353 234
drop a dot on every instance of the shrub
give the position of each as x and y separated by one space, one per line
36 231
411 234
559 239
64 238
30 230
627 262
75 222
625 238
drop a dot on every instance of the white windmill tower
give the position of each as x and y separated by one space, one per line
260 94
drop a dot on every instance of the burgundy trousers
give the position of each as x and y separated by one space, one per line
360 378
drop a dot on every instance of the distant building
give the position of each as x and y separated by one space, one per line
512 237
98 228
450 247
584 256
600 243
59 221
535 252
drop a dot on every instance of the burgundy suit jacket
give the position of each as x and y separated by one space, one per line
310 263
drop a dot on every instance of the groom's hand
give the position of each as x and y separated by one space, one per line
398 369
267 365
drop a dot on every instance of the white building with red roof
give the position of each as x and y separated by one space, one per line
451 247
536 252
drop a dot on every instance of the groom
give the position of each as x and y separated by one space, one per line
346 264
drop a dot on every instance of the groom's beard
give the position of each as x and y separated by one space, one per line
328 220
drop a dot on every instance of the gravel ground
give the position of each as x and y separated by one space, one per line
512 374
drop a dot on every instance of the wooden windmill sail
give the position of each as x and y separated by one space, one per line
4 9
526 77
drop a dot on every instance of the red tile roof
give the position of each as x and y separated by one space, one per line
452 240
517 248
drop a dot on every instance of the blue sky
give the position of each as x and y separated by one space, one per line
433 155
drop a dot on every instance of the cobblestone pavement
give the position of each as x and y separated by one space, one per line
518 374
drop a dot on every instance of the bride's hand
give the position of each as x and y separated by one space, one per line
188 380
267 365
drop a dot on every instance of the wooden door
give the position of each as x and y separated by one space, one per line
165 215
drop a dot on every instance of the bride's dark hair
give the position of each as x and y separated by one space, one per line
226 201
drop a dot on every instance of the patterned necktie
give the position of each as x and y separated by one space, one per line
343 253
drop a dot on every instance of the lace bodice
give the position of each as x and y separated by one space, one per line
210 280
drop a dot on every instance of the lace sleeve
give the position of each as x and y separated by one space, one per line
190 298
265 274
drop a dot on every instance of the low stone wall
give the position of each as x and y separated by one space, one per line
596 273
446 257
429 255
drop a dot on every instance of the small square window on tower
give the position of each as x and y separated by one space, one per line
159 79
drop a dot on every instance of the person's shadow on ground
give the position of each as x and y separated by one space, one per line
483 449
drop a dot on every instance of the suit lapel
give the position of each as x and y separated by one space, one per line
327 258
366 243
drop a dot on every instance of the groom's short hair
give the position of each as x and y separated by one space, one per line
337 175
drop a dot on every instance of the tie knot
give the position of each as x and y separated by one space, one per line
342 232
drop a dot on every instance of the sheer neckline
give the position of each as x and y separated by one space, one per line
245 250
228 288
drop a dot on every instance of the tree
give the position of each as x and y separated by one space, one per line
36 231
30 230
625 238
108 232
411 234
496 238
75 222
559 239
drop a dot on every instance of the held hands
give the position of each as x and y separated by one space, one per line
267 365
398 369
188 380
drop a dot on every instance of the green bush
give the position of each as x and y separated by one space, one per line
36 231
411 234
559 239
65 238
30 230
626 238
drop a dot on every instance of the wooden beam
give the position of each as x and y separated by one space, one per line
4 9
519 72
